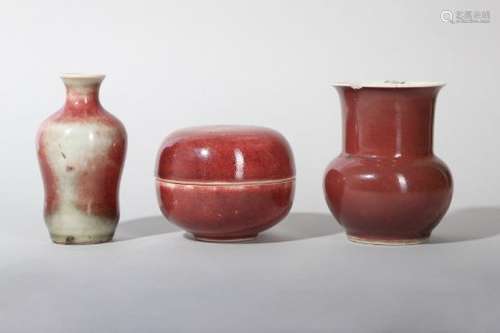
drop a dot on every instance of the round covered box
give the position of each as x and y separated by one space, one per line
225 183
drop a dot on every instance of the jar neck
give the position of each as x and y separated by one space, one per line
388 122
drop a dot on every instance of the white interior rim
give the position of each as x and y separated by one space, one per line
389 84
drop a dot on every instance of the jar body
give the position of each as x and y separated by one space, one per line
81 151
388 201
387 186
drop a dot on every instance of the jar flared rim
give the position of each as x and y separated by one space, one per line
389 84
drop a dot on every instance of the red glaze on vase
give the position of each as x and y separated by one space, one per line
225 183
81 151
387 186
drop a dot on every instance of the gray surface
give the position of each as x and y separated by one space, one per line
302 276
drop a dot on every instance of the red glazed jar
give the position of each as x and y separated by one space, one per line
225 183
387 186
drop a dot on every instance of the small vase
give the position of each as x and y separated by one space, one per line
81 151
387 186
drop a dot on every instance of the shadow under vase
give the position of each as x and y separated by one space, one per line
144 227
467 224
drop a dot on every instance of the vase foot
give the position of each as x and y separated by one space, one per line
385 241
240 239
81 240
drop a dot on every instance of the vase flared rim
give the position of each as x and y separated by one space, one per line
389 84
82 79
82 76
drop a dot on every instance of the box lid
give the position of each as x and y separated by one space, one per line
225 154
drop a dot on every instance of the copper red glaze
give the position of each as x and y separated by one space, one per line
225 183
387 186
213 153
81 150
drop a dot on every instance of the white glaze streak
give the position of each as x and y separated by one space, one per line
77 146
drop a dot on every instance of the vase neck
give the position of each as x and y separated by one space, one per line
82 93
388 122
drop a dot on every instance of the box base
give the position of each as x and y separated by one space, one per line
239 239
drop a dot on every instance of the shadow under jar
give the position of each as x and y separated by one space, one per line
387 186
225 183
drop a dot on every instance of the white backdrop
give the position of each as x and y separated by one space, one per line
172 64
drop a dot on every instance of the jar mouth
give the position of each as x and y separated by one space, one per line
390 84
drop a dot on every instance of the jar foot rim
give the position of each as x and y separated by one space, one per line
387 241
